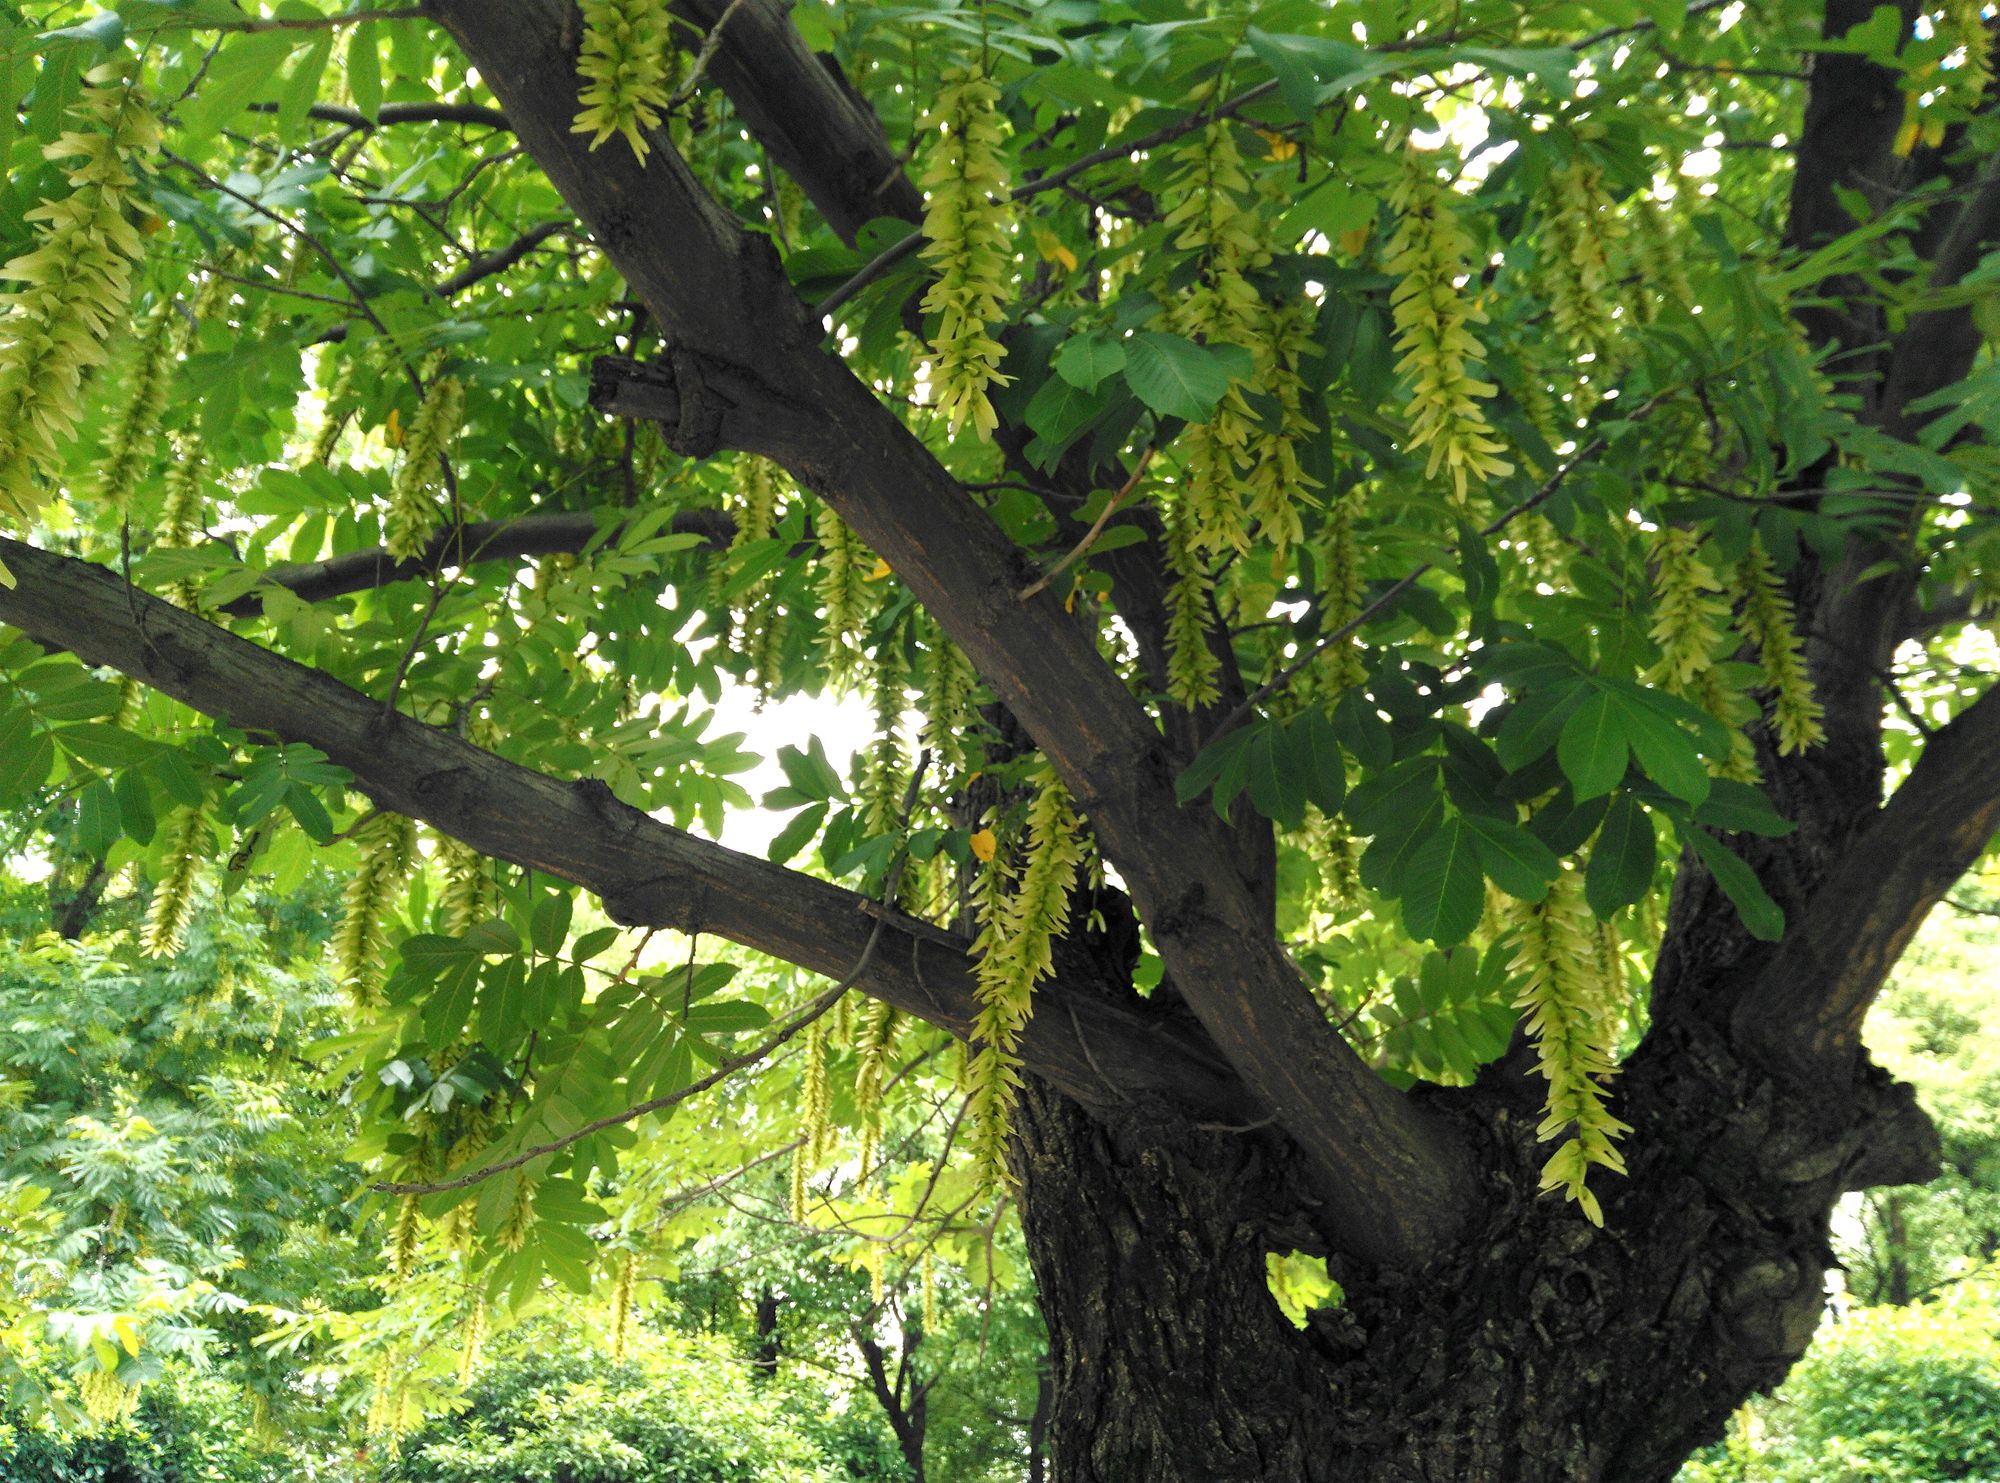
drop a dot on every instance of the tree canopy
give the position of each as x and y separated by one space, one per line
1423 580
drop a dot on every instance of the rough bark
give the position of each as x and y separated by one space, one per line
1539 1350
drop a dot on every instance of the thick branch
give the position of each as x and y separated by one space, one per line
746 372
647 873
803 112
1805 1009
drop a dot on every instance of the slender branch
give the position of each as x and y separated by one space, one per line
721 1073
501 260
251 24
560 531
1082 548
402 113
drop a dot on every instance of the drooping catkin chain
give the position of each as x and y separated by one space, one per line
1764 618
414 509
968 227
76 283
1016 950
1431 253
1221 306
388 844
624 61
1556 958
188 842
1581 229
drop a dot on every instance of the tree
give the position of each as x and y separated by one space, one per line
1566 423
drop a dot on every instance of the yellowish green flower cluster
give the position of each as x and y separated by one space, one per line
842 586
1278 486
625 61
621 1304
969 224
1221 307
188 842
128 441
815 1103
756 612
1556 959
880 795
77 282
1765 620
1688 610
874 1040
1015 948
1342 587
1207 211
469 895
1192 666
948 680
1432 254
1580 229
388 846
414 510
1689 617
1657 260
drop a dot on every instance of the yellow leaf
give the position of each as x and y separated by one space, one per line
984 844
395 428
128 1333
1052 249
1281 148
881 570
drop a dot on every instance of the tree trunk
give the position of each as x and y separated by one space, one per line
1541 1349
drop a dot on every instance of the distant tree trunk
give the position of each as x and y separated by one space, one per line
1542 1350
764 1356
1038 1423
1898 1242
903 1400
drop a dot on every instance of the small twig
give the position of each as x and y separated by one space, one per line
722 1072
709 46
1082 547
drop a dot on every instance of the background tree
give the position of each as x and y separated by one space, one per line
1564 424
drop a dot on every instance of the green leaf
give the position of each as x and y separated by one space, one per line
303 86
796 834
1518 863
1174 376
1361 729
1621 864
1085 360
1058 414
1443 889
235 79
135 806
1314 754
809 772
1738 808
1763 916
1666 755
1275 790
1592 748
364 71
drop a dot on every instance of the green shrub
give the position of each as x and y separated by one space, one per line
185 1429
678 1410
1888 1395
